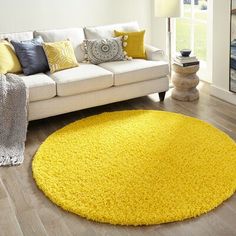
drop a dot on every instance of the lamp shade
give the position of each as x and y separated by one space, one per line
168 8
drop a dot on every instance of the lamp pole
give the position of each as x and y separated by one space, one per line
168 9
169 44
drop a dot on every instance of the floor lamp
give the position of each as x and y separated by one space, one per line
168 9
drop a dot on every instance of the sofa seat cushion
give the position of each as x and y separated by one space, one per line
136 70
82 79
41 87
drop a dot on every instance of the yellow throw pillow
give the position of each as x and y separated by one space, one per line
60 55
133 43
9 62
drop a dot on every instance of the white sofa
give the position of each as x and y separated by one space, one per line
91 85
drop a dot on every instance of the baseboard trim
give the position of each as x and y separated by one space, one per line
223 94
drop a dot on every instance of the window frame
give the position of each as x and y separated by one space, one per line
192 22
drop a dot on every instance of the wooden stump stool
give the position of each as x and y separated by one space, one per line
185 81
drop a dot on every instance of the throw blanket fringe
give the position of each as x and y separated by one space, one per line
13 119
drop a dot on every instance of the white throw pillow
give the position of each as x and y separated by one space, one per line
75 35
107 31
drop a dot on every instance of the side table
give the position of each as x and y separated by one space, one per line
185 81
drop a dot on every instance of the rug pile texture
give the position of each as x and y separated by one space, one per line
137 167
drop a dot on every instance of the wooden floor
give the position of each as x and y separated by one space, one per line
24 210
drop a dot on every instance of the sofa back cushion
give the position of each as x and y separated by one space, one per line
17 36
107 31
75 35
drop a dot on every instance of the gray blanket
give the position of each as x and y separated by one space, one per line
13 119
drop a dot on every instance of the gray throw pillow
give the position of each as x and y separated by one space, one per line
31 55
104 50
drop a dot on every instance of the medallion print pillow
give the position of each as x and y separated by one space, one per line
104 50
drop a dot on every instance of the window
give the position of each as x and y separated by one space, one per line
191 29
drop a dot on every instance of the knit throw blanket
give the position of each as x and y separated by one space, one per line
13 119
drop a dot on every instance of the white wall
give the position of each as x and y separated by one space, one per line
219 49
24 15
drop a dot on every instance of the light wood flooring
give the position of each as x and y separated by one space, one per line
24 210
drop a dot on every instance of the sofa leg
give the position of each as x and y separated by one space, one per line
162 96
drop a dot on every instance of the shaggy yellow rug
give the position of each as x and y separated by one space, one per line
137 167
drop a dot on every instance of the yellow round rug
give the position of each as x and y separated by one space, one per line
137 167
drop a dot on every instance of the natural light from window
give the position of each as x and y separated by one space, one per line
191 30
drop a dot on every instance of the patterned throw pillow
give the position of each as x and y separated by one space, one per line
104 50
60 55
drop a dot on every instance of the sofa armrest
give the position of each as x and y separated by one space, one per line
154 54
